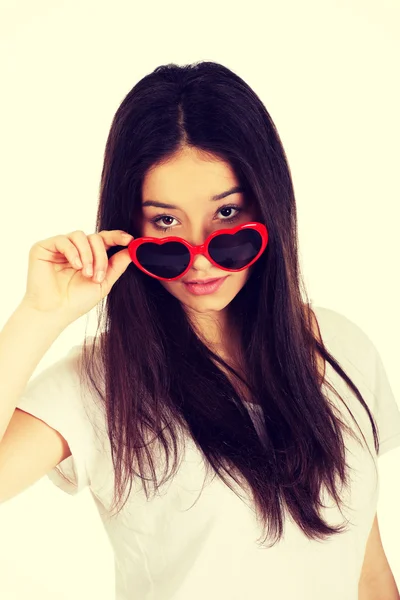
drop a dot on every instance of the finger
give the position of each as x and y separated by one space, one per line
87 250
115 237
56 245
79 238
100 262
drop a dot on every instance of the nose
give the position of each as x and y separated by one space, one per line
200 261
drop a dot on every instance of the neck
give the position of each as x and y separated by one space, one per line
215 332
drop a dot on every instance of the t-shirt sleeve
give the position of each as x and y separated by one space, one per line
55 397
386 409
351 342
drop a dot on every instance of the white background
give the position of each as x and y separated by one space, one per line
327 73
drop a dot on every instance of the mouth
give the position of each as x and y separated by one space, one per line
205 286
203 281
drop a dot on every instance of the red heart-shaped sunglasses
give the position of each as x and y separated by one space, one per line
170 258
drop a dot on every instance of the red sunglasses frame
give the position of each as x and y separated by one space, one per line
201 249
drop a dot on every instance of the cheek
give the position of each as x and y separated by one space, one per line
147 230
243 276
240 279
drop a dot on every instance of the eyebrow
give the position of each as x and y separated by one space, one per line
235 190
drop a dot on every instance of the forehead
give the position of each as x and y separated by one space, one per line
187 176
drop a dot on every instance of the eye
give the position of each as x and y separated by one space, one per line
227 207
159 218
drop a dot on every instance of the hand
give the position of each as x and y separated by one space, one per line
57 284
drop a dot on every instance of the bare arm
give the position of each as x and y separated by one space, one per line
29 448
57 293
24 340
376 580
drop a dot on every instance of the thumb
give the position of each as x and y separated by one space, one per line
117 265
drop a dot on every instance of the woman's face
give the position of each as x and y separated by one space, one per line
187 184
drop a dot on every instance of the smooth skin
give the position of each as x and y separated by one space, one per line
376 580
188 181
63 272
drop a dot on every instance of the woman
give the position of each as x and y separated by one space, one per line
206 417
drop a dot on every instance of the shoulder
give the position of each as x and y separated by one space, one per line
345 339
333 324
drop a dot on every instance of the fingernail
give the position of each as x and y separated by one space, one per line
89 270
99 276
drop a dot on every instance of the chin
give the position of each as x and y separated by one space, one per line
204 304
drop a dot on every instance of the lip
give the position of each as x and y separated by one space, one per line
203 281
200 289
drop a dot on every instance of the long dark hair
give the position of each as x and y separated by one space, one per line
162 382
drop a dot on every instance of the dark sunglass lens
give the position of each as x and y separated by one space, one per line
167 260
235 251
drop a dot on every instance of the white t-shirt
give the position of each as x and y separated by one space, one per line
188 543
